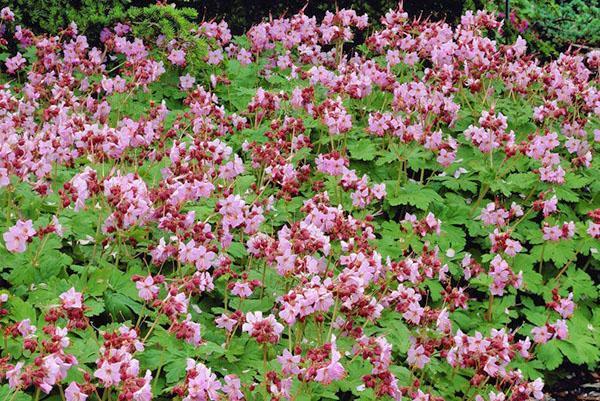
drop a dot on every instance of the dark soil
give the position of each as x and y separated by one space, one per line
574 384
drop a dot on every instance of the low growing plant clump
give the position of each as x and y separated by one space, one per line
291 215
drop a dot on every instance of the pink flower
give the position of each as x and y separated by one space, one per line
177 57
145 392
333 370
337 119
242 290
411 58
491 366
333 164
416 356
189 331
523 347
4 179
555 233
414 313
109 373
177 304
226 322
593 229
71 299
13 64
289 363
147 290
204 259
233 388
232 210
421 396
393 57
497 396
541 335
14 375
379 191
232 169
549 206
202 383
536 388
552 233
122 29
25 328
58 228
443 322
244 57
554 175
493 215
565 306
17 236
186 82
73 393
6 14
281 389
214 57
502 274
512 247
265 330
561 329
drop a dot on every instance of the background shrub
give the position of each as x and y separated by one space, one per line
550 26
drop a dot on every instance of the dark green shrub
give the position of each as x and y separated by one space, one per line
549 26
51 15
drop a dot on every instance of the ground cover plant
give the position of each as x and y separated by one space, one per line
294 214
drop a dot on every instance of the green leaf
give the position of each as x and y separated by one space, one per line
532 369
237 250
412 194
84 349
21 310
549 354
566 194
243 182
121 306
362 150
175 370
398 333
582 284
6 393
560 252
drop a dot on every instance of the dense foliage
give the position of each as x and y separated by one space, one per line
549 26
552 26
51 15
286 215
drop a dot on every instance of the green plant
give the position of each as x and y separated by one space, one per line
51 15
170 23
550 26
297 214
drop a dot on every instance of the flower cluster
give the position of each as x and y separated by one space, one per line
414 219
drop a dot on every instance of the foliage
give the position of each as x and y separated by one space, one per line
173 24
242 14
551 26
565 23
53 15
295 213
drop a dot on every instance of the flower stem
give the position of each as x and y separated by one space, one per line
488 316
